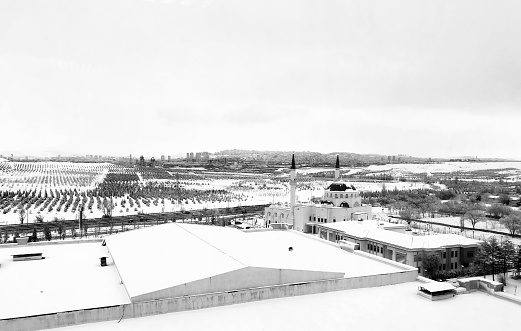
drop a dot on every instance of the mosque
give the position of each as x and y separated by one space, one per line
341 202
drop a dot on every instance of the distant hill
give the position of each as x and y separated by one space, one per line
307 158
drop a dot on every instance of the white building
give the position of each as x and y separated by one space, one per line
341 202
389 241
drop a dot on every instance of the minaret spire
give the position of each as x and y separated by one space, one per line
337 168
293 187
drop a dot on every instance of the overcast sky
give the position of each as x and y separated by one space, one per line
423 78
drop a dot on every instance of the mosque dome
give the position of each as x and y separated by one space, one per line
326 202
340 187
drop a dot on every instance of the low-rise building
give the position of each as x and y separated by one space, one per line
456 252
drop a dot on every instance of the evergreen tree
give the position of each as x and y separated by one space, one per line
489 255
507 255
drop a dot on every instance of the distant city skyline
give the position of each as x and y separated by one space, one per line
426 79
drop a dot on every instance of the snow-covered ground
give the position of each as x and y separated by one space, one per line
422 228
445 167
394 307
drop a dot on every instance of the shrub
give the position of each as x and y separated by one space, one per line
47 232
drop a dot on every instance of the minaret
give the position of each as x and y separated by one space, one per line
337 169
293 183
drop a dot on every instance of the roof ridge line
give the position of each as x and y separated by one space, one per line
193 234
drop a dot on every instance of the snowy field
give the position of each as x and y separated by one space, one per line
446 167
394 307
244 188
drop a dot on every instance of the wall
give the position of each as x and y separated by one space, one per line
53 242
389 262
148 308
249 277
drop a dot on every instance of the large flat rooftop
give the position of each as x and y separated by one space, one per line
394 307
69 278
173 254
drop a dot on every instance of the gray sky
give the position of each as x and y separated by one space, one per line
424 78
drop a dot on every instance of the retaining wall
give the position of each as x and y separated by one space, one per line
53 242
155 307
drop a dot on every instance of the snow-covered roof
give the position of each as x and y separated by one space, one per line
437 286
173 254
399 239
69 278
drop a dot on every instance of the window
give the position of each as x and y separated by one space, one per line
341 196
444 267
310 218
456 265
336 196
314 218
334 220
452 265
470 254
451 254
456 254
444 255
282 215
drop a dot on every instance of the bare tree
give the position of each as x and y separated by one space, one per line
21 215
512 222
474 217
498 211
39 219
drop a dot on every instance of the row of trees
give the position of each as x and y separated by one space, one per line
415 204
474 214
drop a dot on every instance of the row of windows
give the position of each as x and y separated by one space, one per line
375 248
453 254
322 220
341 195
452 266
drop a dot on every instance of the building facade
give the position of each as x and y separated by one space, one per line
341 202
455 252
